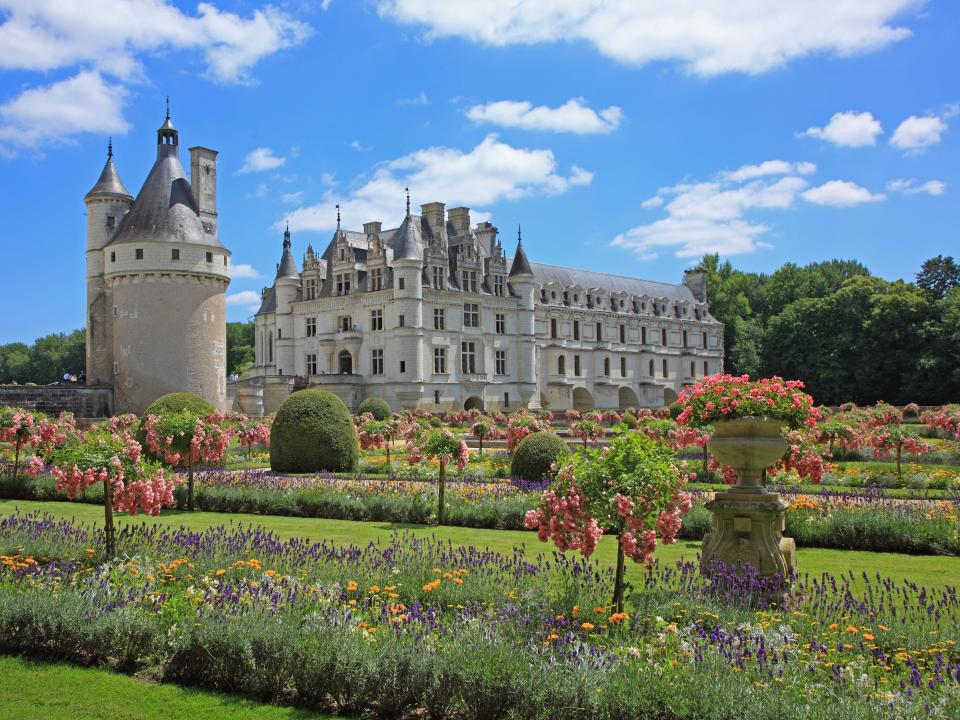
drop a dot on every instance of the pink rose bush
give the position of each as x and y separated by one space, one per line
726 397
253 431
587 431
520 425
631 489
446 448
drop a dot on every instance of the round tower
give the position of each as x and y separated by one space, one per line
168 273
523 282
107 203
286 287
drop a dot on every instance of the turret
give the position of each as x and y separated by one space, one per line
523 284
288 277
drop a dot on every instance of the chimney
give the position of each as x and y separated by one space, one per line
203 181
486 235
460 219
696 280
433 214
372 228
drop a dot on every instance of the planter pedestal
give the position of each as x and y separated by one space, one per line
748 521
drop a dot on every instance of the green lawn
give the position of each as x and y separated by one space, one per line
46 691
924 570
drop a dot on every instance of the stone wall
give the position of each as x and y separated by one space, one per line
83 402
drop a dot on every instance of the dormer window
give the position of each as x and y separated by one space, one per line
343 254
310 289
438 274
376 279
343 283
499 286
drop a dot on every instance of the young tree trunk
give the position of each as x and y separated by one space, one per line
705 464
190 483
110 538
618 585
481 446
16 457
440 488
899 471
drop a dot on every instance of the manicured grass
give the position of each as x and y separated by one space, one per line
926 570
47 691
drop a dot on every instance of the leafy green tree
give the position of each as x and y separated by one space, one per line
728 293
14 363
939 275
240 347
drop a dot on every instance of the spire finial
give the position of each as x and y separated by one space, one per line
168 107
408 200
109 148
519 236
338 217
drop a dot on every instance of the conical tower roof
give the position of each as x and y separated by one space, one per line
109 182
408 240
520 264
288 266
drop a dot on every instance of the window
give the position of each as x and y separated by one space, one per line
311 327
468 358
310 289
576 329
311 364
210 257
400 284
500 358
175 254
469 281
623 367
650 369
663 336
685 339
111 221
553 327
706 368
499 286
345 323
643 336
376 319
343 254
270 349
436 397
471 315
599 332
576 365
501 324
279 333
561 365
401 321
376 362
224 257
376 279
439 321
663 364
606 367
704 340
113 257
139 253
506 399
693 369
403 366
438 277
623 334
439 361
343 283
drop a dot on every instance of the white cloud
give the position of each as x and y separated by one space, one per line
242 271
249 299
573 116
705 36
260 191
916 134
841 193
46 35
261 159
291 198
910 187
490 172
80 104
709 217
359 146
848 129
420 99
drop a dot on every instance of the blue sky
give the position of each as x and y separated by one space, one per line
630 139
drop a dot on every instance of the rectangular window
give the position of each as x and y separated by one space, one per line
175 254
311 364
650 369
623 367
468 358
403 366
438 277
501 322
643 335
663 336
400 284
553 327
376 319
343 283
439 321
704 340
623 334
210 257
561 365
576 365
113 257
139 254
376 279
436 397
706 368
685 339
376 362
606 367
471 315
499 286
401 321
506 399
469 278
693 369
501 362
663 366
439 361
576 329
311 327
599 332
345 323
111 221
310 289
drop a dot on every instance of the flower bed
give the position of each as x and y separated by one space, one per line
420 627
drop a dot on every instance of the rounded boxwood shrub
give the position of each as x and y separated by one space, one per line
313 431
435 421
178 402
630 420
377 407
675 410
535 454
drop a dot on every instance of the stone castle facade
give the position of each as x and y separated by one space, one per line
433 315
156 281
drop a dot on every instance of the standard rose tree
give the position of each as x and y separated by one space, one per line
446 448
632 490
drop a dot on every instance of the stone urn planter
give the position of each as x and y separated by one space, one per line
748 520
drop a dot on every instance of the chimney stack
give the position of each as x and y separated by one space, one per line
203 181
696 280
460 219
372 228
434 215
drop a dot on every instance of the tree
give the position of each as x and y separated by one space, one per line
481 430
446 448
938 276
728 296
240 347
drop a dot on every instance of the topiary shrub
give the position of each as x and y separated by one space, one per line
435 422
313 431
177 402
535 454
675 410
378 407
630 420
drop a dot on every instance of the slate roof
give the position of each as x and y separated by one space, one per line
610 283
520 264
109 182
